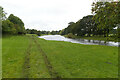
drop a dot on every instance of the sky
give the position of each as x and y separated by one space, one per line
47 14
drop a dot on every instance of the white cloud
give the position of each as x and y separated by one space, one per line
47 14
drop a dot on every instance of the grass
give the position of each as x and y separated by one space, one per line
69 60
13 48
14 51
82 61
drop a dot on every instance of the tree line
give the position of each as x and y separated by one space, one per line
39 33
12 24
104 21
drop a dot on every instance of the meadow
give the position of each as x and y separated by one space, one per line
31 57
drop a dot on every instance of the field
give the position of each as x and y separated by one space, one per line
30 57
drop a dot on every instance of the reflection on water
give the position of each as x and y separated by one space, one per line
80 41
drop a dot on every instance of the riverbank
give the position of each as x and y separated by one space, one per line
101 38
30 56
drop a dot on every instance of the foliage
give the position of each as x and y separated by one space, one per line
70 35
19 25
54 32
33 31
8 27
103 22
12 24
105 15
2 14
62 32
84 26
39 33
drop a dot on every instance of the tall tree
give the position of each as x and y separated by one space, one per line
2 14
18 23
105 15
2 17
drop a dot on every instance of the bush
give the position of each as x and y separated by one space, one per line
70 35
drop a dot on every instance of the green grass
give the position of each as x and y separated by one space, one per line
13 55
70 60
13 50
82 61
37 65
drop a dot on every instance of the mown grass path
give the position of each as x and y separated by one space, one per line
26 65
50 68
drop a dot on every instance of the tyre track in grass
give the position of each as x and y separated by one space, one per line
26 65
50 68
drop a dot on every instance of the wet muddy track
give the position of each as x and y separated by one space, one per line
50 68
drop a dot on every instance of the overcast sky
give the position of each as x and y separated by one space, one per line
47 14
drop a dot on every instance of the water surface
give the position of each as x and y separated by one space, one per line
80 41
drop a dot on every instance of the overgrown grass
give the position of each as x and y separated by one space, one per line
70 60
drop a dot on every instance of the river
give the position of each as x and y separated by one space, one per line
80 41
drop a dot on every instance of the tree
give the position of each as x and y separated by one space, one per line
2 14
18 23
2 17
54 32
84 26
8 27
33 31
105 15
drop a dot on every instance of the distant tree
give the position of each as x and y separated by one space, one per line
70 28
18 23
84 26
33 31
54 32
62 32
8 27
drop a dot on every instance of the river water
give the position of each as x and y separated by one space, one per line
80 41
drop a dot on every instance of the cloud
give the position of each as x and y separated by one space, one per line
47 14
